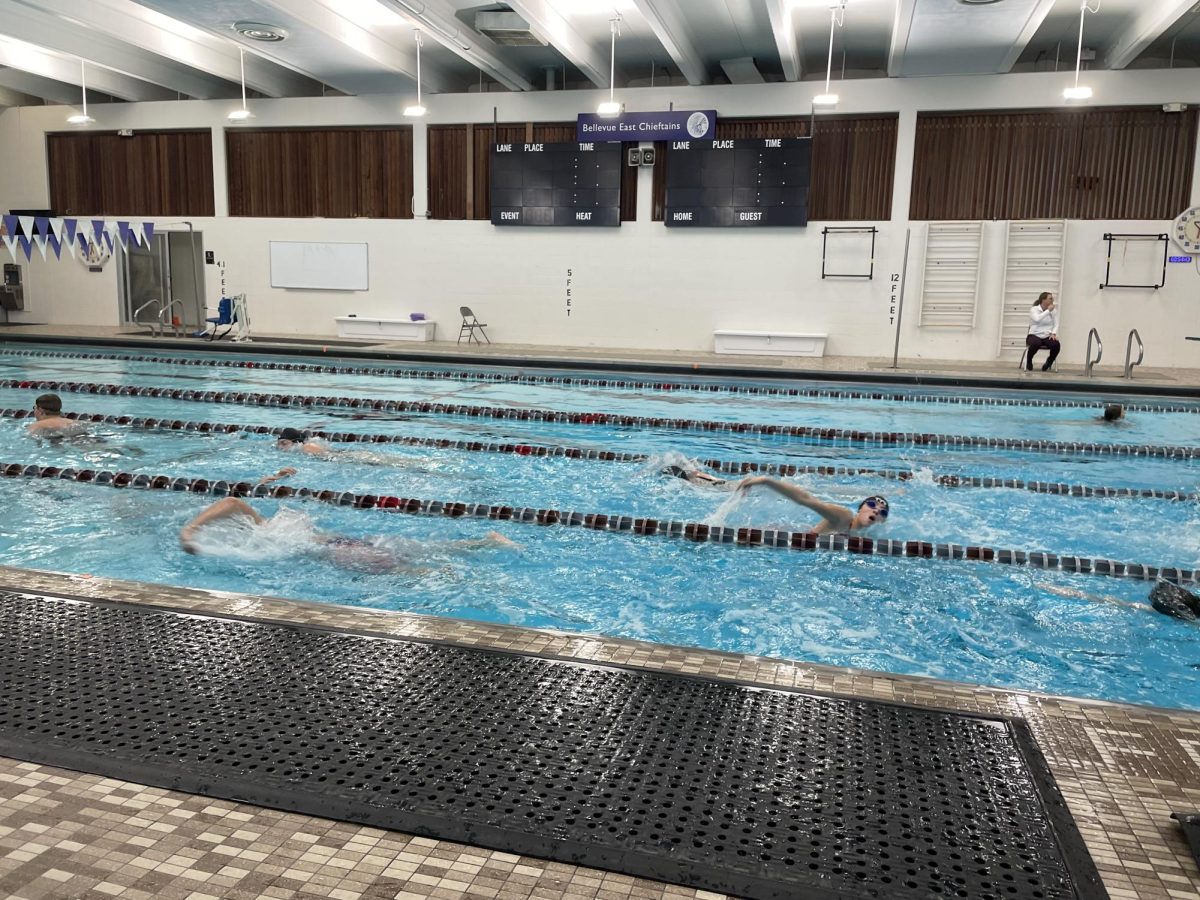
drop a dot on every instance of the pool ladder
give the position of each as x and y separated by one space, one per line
163 321
1133 335
156 325
1087 368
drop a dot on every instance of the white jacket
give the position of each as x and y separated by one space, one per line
1043 322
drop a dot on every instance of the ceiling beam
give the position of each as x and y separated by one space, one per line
94 42
9 97
1147 26
188 47
901 24
548 24
325 16
670 27
1036 17
436 18
780 13
37 86
36 61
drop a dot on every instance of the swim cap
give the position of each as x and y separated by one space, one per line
292 434
1172 600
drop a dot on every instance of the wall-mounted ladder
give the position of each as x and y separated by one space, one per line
1033 262
950 288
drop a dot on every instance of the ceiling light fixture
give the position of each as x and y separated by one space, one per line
241 115
1078 91
418 108
257 31
82 120
611 107
837 15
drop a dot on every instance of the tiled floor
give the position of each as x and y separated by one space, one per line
1122 769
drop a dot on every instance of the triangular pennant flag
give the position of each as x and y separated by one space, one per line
42 224
148 230
26 246
10 241
123 231
55 244
56 228
26 225
69 226
10 225
111 230
98 229
139 235
40 241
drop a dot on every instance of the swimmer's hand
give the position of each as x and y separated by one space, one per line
187 541
747 483
495 537
282 473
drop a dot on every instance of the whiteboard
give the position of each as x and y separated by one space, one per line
319 266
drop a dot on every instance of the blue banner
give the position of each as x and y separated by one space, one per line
673 125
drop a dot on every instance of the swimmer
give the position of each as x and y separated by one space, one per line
836 518
1113 412
50 422
341 550
294 439
1165 597
699 477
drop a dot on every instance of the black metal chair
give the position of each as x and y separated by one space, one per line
470 325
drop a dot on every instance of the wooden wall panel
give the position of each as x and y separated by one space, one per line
447 171
165 173
1117 163
329 172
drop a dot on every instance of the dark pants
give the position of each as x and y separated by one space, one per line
1035 343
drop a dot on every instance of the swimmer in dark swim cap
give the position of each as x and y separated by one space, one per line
836 518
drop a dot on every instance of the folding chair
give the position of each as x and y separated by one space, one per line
470 325
225 316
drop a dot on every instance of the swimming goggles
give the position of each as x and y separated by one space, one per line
878 504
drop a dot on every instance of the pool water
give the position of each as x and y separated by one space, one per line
1022 628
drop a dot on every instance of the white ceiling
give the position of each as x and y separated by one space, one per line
138 50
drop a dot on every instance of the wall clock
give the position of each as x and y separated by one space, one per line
1186 230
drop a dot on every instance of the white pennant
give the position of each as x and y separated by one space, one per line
39 241
56 225
26 225
138 232
10 241
71 244
113 231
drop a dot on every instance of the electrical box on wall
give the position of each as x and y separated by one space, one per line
648 156
635 156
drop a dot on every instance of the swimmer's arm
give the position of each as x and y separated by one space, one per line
1095 598
836 516
282 473
227 508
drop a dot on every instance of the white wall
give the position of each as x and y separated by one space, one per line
642 285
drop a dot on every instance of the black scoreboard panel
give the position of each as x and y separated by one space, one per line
556 184
742 183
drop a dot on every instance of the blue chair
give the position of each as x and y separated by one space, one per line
225 316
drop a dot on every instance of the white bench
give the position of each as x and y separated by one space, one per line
391 329
769 343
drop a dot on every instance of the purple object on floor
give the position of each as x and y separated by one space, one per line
417 317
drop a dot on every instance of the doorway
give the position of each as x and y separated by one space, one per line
166 269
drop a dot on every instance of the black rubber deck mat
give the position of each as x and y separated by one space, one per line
756 792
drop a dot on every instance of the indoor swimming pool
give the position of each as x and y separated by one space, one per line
482 437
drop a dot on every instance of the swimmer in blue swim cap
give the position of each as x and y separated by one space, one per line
835 518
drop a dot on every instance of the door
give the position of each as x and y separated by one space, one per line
166 269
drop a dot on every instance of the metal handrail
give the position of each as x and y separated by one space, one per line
1087 369
155 327
178 329
1133 333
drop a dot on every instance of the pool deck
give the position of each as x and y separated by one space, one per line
989 373
1122 769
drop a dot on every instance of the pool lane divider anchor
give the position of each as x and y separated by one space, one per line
820 436
616 384
697 532
727 467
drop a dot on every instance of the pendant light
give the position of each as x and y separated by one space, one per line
837 15
418 108
1078 91
82 120
611 107
241 115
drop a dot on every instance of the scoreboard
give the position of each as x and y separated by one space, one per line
742 183
556 184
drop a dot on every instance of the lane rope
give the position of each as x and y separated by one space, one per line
823 436
644 527
613 383
727 467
